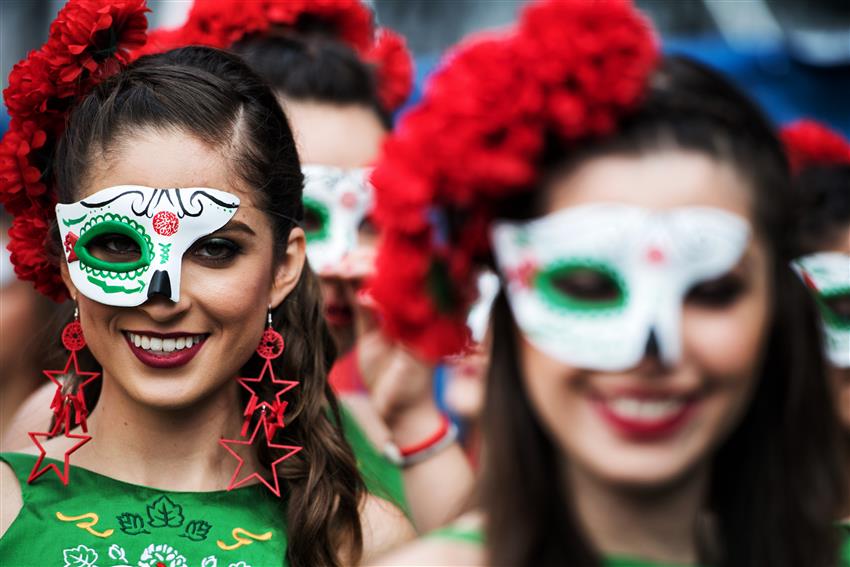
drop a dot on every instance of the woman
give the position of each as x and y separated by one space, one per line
339 78
654 395
173 324
820 160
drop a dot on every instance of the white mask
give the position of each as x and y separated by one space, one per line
641 263
827 275
161 225
336 201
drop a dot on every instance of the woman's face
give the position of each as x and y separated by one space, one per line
228 279
655 422
347 137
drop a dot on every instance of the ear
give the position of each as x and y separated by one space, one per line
66 279
288 270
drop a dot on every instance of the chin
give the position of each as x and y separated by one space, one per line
642 469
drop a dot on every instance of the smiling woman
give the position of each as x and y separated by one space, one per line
177 236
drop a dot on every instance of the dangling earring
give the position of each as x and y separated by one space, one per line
271 411
66 404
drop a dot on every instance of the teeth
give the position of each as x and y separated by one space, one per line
161 346
645 410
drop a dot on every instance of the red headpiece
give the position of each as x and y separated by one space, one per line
570 68
222 23
808 143
88 41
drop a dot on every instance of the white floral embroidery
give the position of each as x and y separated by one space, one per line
80 556
210 561
117 553
161 553
240 564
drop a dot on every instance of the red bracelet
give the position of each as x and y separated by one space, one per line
429 442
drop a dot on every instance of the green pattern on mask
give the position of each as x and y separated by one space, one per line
323 214
107 288
110 223
545 283
164 251
71 222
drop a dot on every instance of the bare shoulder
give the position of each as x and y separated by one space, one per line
385 527
436 549
33 414
10 497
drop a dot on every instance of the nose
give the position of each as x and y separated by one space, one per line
160 285
653 349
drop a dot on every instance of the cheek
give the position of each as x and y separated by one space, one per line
227 294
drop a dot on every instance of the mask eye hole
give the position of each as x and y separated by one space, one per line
316 220
114 246
583 285
837 308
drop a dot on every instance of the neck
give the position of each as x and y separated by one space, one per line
169 449
657 525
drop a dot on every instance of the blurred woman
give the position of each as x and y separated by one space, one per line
656 393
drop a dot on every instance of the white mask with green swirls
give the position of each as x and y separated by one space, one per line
336 201
126 243
589 285
827 275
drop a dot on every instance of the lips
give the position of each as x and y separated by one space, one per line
338 314
646 417
164 350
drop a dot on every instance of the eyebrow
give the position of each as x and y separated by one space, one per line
236 226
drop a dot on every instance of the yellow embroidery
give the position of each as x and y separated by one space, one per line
90 520
237 534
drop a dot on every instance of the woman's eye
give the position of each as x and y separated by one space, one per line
839 305
114 248
216 250
581 287
313 220
315 223
587 285
717 293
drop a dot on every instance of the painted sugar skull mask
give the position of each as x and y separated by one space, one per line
590 285
336 201
124 244
827 275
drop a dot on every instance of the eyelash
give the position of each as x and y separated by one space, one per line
232 249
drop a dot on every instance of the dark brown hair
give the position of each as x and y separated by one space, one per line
777 480
312 65
215 97
822 195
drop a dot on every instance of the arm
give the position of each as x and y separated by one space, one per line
10 498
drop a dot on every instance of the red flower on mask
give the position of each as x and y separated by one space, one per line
808 143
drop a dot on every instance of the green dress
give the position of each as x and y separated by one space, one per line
97 521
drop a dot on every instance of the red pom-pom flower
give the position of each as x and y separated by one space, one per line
809 143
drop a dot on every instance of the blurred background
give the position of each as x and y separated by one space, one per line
793 56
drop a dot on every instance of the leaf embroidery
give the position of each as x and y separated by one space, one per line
80 556
197 530
132 524
117 553
209 561
165 513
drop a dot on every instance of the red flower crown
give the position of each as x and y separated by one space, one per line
570 68
222 23
89 40
809 143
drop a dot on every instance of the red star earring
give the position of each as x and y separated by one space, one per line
271 411
67 403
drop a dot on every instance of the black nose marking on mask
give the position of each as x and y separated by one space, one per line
653 349
160 284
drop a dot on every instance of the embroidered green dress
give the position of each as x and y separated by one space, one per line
97 521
